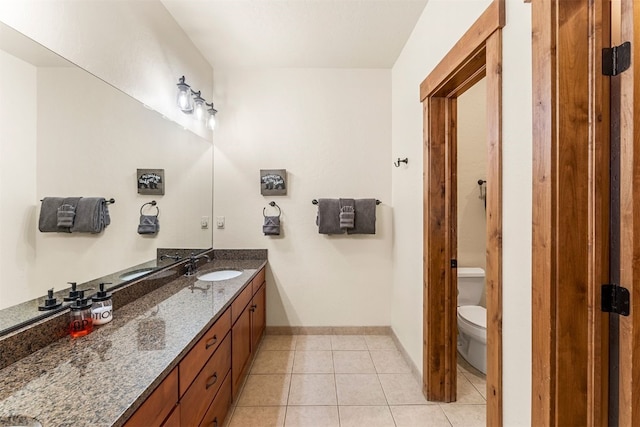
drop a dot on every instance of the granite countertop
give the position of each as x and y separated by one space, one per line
102 378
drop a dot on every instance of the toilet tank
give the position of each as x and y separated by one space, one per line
470 285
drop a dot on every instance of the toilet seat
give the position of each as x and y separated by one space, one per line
474 314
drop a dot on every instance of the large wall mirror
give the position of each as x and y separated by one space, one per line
66 133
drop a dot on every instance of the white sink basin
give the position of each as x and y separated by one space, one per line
135 274
216 276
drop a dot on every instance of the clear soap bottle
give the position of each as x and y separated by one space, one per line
102 308
80 323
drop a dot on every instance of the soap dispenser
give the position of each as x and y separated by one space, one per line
50 302
80 323
102 308
73 293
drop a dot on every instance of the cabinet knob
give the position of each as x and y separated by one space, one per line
212 380
253 307
215 422
211 342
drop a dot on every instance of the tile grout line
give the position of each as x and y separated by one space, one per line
335 381
383 392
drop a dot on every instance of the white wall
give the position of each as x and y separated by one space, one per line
18 112
438 29
134 45
517 213
440 26
472 166
330 128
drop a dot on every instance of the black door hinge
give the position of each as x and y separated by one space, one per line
615 299
616 60
454 263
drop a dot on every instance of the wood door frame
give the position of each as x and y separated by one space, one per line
570 212
477 54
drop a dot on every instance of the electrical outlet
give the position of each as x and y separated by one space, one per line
204 222
220 221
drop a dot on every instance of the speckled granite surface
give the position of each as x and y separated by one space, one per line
101 379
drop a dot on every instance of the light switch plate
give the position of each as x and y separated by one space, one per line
204 222
220 221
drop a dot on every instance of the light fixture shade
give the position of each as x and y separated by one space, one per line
211 119
199 109
183 99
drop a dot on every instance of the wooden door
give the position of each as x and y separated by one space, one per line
629 326
570 212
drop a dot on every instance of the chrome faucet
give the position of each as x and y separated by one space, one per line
175 257
191 265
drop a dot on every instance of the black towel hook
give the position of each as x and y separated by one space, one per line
405 161
272 204
151 203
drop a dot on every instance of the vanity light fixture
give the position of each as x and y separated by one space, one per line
211 119
192 102
184 100
198 106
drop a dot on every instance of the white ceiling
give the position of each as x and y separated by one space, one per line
298 33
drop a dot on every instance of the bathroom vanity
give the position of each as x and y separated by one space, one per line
174 356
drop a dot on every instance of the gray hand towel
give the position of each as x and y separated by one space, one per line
328 219
90 215
149 224
271 226
365 221
48 221
347 214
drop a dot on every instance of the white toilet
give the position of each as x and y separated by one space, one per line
472 318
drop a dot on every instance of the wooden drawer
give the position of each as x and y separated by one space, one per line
158 405
241 302
257 281
202 351
219 409
200 394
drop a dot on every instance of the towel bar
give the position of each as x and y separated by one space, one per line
109 202
315 202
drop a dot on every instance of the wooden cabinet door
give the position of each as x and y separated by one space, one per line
258 316
240 349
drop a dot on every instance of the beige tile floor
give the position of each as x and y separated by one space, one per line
346 381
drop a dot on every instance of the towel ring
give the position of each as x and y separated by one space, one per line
273 204
151 203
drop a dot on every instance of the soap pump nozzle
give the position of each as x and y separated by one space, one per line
73 293
102 294
50 302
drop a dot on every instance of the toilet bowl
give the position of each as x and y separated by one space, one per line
472 335
472 318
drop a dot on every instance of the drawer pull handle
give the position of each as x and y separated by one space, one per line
214 378
212 342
